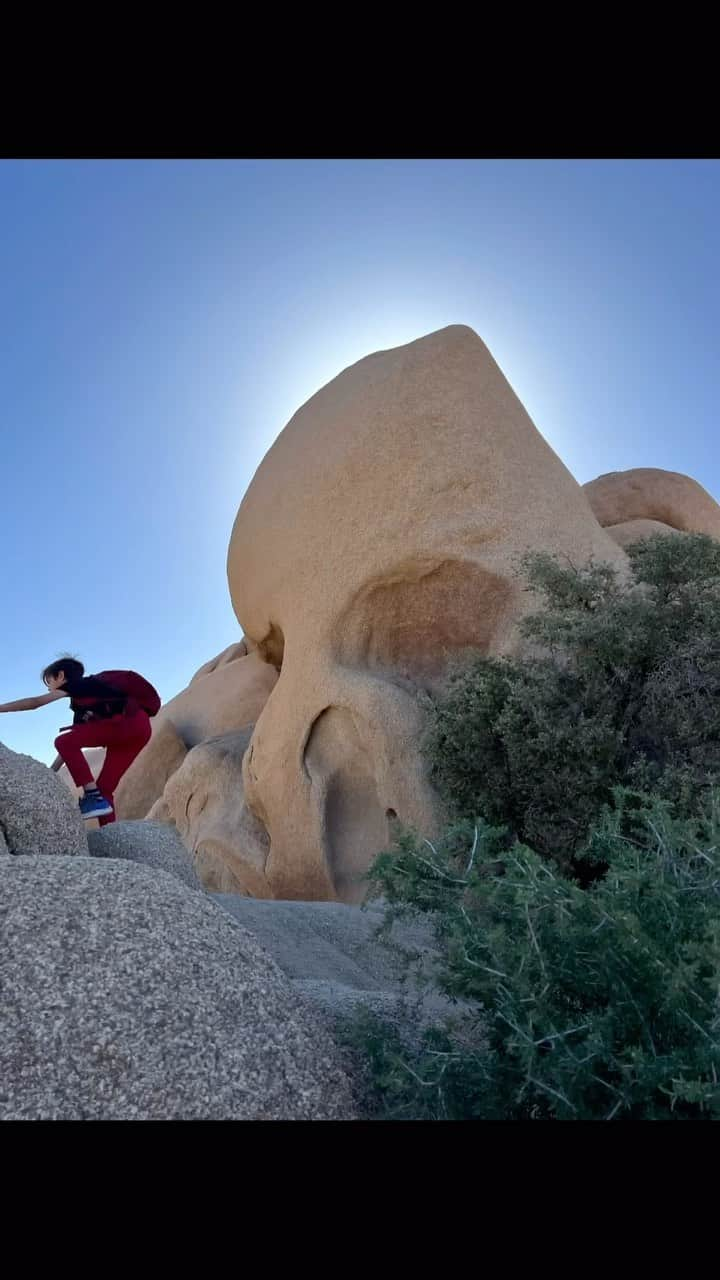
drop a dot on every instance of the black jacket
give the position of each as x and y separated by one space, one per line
92 699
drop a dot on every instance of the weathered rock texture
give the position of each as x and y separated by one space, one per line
125 996
205 801
650 495
38 815
377 541
334 955
332 942
152 844
226 694
635 530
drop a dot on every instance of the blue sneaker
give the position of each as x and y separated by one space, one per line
95 806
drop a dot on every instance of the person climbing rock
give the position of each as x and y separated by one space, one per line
112 710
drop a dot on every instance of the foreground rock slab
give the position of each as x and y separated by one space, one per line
126 996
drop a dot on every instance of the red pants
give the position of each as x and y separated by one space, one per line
123 736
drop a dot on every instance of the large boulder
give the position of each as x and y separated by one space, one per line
226 694
204 801
378 542
650 494
127 997
152 844
38 815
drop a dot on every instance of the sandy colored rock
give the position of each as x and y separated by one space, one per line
226 694
204 801
38 815
635 530
647 493
128 997
230 654
223 696
378 541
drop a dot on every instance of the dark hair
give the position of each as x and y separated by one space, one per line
74 669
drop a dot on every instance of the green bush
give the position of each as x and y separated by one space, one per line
620 687
576 897
595 1003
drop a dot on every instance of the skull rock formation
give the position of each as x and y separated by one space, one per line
378 541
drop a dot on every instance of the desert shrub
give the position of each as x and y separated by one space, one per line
618 686
576 894
573 1003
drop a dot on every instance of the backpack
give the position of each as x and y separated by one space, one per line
131 685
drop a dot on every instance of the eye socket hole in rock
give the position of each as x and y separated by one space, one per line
411 621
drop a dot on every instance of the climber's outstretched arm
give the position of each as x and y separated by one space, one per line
32 704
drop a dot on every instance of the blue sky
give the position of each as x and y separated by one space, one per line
160 321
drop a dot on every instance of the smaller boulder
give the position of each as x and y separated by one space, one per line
205 801
126 997
649 493
38 815
153 844
636 530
